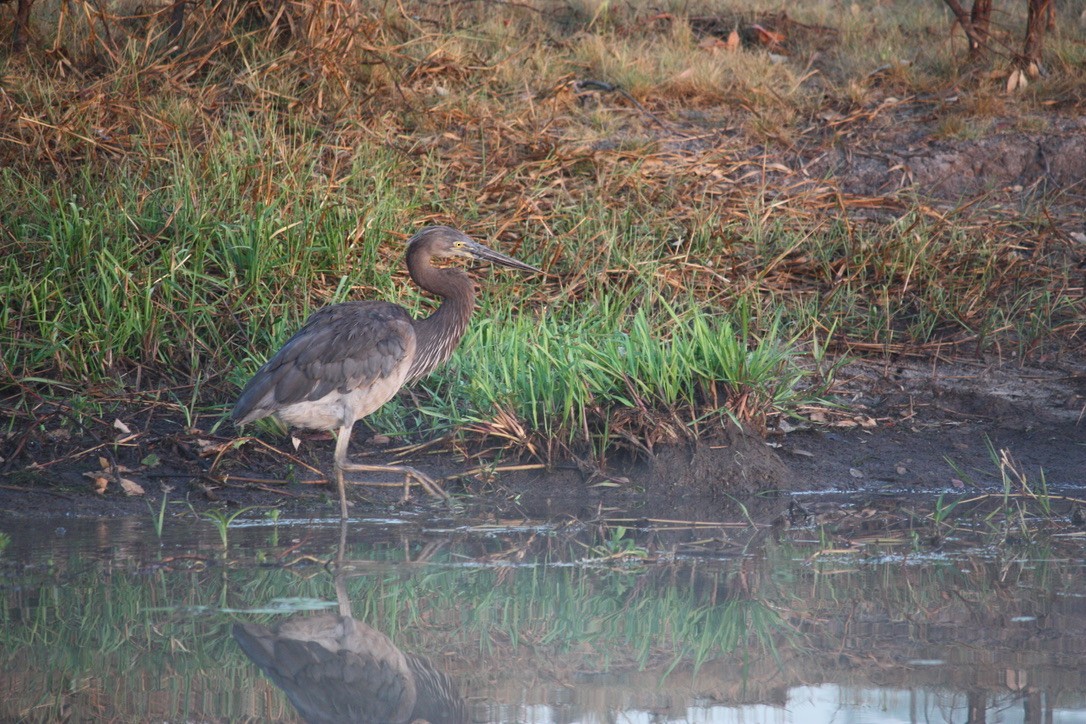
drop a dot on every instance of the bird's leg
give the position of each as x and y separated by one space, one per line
344 465
342 493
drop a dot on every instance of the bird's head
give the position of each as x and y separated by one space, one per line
438 242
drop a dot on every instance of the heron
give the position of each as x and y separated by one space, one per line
351 358
335 668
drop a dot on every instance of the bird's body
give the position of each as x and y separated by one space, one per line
337 669
349 359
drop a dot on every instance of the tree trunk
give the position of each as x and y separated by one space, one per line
1036 22
177 20
981 17
966 22
22 23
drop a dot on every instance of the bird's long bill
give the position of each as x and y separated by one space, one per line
485 253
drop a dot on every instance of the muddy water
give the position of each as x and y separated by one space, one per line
547 620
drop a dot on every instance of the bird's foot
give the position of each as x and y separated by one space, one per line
428 484
411 476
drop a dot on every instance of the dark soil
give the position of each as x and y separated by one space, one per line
904 429
943 428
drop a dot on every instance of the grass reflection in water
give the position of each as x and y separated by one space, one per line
103 623
157 621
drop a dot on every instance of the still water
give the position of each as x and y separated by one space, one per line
552 619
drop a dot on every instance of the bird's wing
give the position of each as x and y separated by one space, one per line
340 348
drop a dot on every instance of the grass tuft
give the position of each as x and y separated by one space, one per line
603 380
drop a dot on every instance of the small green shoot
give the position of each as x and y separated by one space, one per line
159 517
273 514
222 521
618 547
942 511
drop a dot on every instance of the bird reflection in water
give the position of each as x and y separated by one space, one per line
349 359
334 668
337 669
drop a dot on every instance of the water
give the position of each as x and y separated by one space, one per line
550 619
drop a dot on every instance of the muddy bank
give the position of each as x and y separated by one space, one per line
906 429
902 428
937 427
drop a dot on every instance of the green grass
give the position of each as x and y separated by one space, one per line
596 376
179 273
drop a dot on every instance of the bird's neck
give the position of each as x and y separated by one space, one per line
437 336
